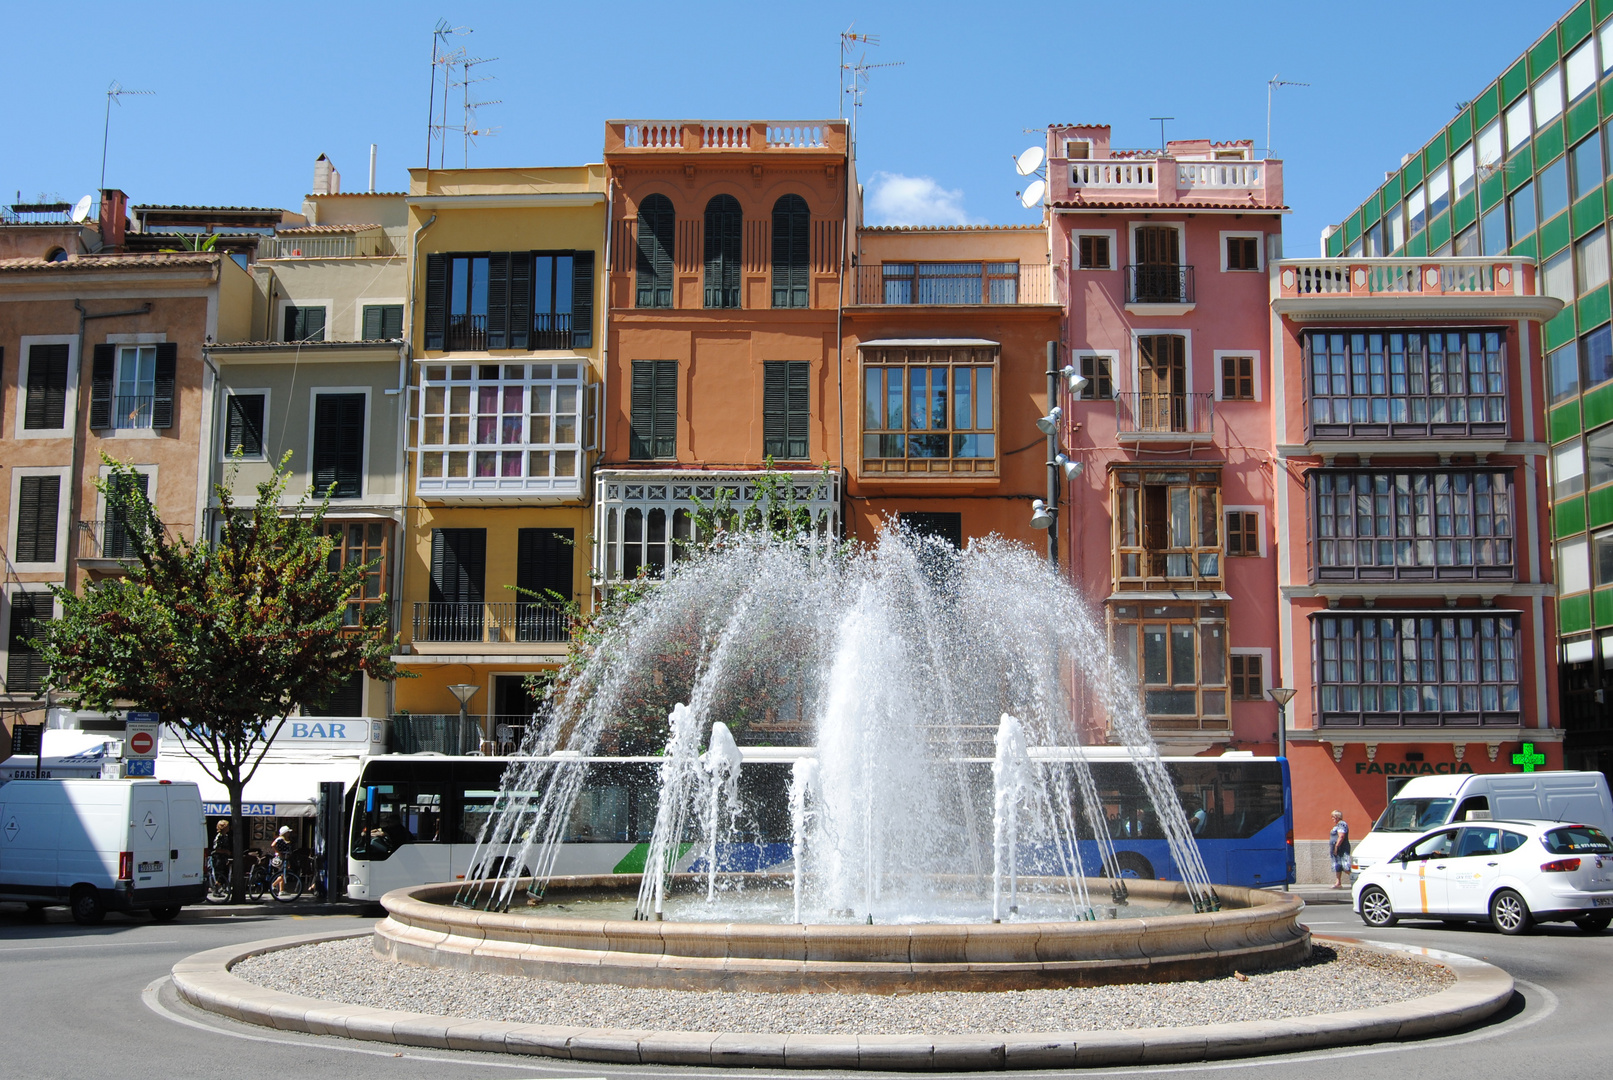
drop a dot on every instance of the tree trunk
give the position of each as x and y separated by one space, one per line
238 840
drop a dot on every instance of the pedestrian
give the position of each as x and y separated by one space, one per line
223 850
1339 848
279 849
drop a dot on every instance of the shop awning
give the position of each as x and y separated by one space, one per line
279 789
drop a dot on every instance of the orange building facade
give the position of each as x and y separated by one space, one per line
725 278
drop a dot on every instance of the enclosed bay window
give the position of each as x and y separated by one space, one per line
1413 525
1407 384
502 428
951 283
929 409
358 543
1416 668
1179 655
1167 527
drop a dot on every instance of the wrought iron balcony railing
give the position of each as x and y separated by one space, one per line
1159 284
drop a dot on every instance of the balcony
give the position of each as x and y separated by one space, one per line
1164 418
1185 176
731 136
496 433
1159 290
107 544
507 623
954 284
1411 288
131 411
1411 526
366 245
467 333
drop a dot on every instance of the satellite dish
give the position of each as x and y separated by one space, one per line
1029 161
81 212
1033 194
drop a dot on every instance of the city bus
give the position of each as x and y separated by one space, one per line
417 817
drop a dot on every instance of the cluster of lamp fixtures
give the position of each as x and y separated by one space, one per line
1041 514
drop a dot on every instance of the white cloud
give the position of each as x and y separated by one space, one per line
894 199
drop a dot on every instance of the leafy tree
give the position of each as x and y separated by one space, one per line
226 639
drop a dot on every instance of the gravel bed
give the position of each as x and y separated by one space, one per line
1333 979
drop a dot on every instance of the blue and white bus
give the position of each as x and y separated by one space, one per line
417 817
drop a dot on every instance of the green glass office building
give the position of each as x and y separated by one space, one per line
1525 169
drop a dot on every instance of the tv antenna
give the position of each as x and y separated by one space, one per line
114 93
1162 120
859 77
1272 84
470 132
439 37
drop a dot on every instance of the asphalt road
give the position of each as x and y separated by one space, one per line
95 1003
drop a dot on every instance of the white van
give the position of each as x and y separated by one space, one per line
1428 802
102 845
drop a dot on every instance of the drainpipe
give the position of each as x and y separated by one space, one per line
1052 455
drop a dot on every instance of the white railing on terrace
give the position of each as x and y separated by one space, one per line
1219 174
724 135
365 245
1112 174
1381 277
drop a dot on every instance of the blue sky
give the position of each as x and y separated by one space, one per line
248 95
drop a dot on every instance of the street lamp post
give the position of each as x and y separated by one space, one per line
1282 695
464 692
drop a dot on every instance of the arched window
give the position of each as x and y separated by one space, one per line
792 224
655 227
724 220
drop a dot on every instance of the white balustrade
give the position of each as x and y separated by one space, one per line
1219 174
1112 174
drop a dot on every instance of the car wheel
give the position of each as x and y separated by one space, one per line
165 913
1594 924
1509 913
87 906
1376 910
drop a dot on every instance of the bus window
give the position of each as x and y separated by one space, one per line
388 815
475 807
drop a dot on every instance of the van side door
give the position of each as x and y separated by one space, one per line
28 839
187 832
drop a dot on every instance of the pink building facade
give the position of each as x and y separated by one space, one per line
1169 525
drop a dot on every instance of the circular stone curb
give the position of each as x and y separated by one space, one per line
205 981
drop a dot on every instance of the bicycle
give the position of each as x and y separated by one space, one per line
217 876
278 877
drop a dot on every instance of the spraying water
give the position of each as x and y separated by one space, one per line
898 661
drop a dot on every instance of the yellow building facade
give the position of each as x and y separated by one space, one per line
506 321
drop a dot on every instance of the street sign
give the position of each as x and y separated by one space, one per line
27 738
140 767
140 735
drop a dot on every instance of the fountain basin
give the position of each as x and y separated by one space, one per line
1255 929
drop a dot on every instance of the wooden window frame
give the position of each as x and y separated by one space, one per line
1230 239
1098 368
1140 565
1245 536
1078 254
883 359
1243 666
343 551
1245 384
1128 624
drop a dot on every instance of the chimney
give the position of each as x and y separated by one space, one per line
114 207
327 181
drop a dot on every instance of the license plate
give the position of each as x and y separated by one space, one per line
1602 901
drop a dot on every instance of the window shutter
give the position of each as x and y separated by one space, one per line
39 500
472 550
439 557
641 419
520 300
775 408
582 299
800 409
233 425
656 224
46 407
543 563
101 375
314 324
339 444
724 224
25 671
436 318
392 322
498 299
792 225
244 425
162 403
372 322
666 408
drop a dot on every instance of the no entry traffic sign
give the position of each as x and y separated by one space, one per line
142 743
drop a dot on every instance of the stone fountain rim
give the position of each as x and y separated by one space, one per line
205 981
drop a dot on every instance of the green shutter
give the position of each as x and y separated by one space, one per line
666 408
724 225
656 227
582 299
244 425
792 233
101 376
436 318
800 409
339 444
167 368
641 417
372 323
498 299
775 409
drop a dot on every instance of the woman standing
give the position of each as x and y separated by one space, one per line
1339 847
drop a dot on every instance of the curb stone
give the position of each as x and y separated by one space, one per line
205 981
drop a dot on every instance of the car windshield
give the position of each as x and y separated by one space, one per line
1577 840
1414 815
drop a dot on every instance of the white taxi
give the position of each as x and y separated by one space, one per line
1511 873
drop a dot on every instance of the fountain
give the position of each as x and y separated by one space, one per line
945 702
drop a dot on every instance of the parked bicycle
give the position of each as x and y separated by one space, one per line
280 876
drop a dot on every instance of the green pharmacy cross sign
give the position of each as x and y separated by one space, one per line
1527 759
